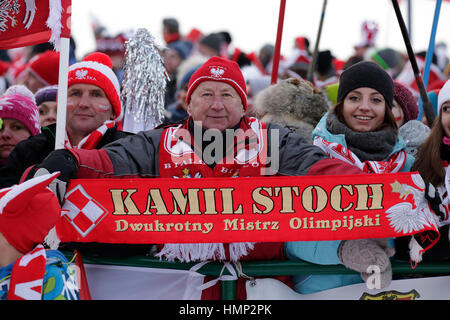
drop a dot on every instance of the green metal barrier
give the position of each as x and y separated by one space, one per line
266 268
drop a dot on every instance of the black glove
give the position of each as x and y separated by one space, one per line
59 160
434 200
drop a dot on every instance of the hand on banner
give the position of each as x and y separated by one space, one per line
62 161
434 200
57 186
363 254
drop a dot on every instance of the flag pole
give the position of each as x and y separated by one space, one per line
63 46
428 108
62 93
430 51
276 56
410 20
311 68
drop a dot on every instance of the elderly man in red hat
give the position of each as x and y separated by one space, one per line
217 100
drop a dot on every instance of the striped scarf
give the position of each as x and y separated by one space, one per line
27 276
91 140
337 151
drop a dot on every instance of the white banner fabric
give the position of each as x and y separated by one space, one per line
430 288
108 282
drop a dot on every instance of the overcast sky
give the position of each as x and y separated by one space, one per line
253 23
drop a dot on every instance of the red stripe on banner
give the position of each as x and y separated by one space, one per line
25 40
257 209
83 285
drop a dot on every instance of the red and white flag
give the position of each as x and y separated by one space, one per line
407 76
83 212
29 22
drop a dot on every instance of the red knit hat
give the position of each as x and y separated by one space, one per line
28 211
45 67
96 69
406 100
223 70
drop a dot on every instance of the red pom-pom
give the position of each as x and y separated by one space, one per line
100 58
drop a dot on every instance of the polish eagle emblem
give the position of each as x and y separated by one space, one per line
217 71
81 74
404 216
9 11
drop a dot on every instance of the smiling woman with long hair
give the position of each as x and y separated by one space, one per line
361 130
432 162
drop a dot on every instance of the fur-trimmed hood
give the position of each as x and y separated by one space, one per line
293 103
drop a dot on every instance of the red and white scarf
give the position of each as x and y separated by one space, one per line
181 157
443 190
90 141
178 159
338 151
27 276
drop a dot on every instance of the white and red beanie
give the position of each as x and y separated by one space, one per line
96 69
24 219
219 69
45 67
18 103
444 95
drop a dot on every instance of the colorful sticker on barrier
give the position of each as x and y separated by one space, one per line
259 209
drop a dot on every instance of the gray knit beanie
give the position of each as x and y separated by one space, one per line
414 133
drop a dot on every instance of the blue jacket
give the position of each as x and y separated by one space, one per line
325 252
59 281
321 131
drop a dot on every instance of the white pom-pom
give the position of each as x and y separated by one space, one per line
19 89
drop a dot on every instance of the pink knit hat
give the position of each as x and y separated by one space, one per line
18 103
406 100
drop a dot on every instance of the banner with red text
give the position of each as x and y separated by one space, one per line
256 209
29 22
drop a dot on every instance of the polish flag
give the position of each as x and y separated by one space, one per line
29 22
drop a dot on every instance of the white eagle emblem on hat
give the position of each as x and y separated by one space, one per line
81 74
217 71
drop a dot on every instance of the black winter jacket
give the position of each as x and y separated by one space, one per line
36 148
33 151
